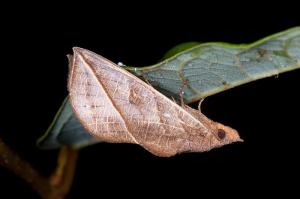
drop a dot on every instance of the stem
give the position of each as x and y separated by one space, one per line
61 180
59 183
13 162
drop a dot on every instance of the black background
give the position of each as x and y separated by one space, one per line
35 39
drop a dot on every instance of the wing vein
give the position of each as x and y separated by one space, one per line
108 96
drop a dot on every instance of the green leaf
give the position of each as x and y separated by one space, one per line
65 130
179 48
201 70
210 68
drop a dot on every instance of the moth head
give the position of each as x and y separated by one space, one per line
225 134
218 136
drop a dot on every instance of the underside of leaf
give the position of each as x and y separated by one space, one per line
210 68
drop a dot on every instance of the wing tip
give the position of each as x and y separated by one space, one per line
77 50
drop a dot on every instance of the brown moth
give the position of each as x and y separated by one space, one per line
116 106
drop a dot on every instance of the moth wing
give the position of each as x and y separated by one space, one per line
116 106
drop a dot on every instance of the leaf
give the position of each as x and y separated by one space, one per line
64 125
211 68
179 48
116 106
269 56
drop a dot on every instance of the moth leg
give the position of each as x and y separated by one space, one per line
181 96
145 79
181 93
174 99
199 104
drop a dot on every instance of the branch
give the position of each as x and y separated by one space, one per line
54 188
62 179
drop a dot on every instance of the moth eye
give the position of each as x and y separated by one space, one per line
221 134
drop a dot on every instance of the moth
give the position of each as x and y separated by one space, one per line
116 106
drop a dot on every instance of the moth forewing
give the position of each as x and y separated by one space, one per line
116 106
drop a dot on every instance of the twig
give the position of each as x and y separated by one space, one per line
62 179
12 161
54 188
